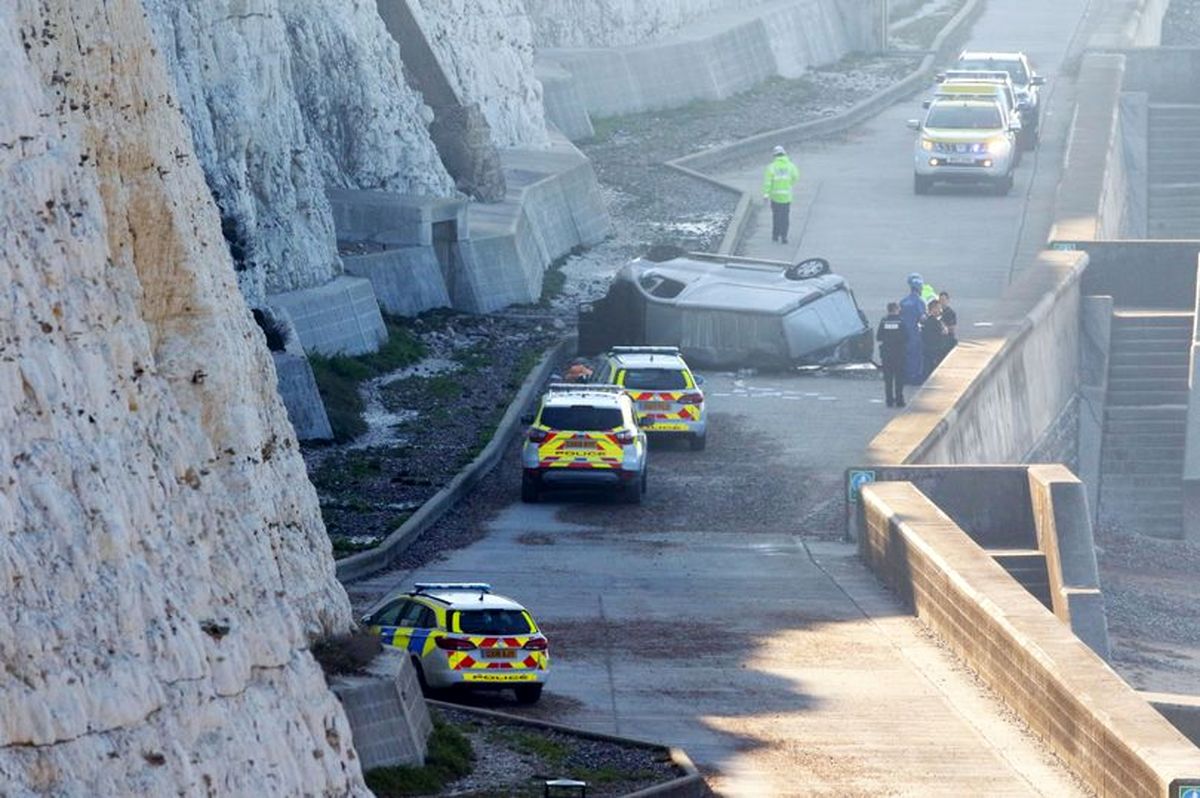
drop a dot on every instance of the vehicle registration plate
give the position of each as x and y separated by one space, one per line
965 160
499 653
654 406
581 446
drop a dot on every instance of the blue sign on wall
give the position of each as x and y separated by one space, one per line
854 483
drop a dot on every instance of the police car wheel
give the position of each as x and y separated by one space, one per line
528 693
1004 185
633 490
921 184
425 688
698 442
529 490
808 269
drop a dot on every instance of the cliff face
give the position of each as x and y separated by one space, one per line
284 97
162 557
486 49
612 23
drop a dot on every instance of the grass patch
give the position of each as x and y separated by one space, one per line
450 758
344 547
607 774
338 378
473 358
549 751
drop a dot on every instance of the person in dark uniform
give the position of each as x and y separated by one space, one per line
949 318
935 338
892 338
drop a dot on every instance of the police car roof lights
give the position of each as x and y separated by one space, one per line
588 388
644 350
425 587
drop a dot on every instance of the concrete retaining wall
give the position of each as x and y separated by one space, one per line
993 400
298 389
407 281
712 59
340 317
1012 509
1191 455
1092 719
1095 334
1140 274
1166 74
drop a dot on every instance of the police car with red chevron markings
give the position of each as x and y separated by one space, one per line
462 634
584 436
663 388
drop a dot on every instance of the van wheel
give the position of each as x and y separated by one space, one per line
921 184
529 489
528 693
698 442
1004 185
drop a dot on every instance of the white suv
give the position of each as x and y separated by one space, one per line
964 141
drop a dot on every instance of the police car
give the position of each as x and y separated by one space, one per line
984 86
462 634
584 436
663 388
1026 83
961 141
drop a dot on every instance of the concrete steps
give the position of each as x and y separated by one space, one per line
1174 171
1145 421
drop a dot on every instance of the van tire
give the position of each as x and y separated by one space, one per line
921 184
634 489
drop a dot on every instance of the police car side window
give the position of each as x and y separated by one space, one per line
426 620
410 615
390 614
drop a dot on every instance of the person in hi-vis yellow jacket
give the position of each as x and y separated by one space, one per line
778 180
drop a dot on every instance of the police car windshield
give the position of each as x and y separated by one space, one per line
1015 69
970 117
493 622
655 380
581 417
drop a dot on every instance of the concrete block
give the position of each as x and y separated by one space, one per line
298 389
394 220
1089 619
340 317
565 108
388 717
407 281
553 205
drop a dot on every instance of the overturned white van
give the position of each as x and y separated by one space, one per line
725 311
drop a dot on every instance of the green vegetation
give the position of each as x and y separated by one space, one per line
551 752
338 378
607 774
346 654
449 758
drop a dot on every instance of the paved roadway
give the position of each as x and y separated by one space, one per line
722 615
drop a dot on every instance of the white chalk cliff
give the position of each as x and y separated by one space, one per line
284 98
162 557
486 48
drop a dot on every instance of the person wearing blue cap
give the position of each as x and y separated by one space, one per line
912 312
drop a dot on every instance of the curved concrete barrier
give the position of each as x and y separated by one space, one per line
364 563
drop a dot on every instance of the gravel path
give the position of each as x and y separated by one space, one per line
1181 26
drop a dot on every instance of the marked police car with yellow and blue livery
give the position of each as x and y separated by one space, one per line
584 436
462 634
664 390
